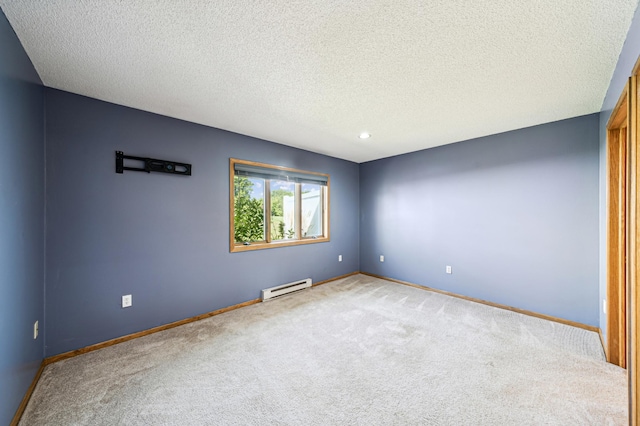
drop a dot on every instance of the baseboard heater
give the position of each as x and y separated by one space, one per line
281 290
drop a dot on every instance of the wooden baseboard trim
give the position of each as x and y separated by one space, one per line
486 302
101 345
335 278
91 348
87 349
604 345
27 396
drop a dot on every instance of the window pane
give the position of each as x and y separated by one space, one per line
311 210
248 209
274 206
283 225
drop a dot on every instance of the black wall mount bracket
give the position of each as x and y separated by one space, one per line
152 165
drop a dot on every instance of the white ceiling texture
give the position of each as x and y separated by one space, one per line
314 74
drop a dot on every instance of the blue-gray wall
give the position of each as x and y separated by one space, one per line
514 214
162 238
21 220
628 57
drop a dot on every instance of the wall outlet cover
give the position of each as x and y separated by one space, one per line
126 301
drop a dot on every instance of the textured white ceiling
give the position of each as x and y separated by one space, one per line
314 74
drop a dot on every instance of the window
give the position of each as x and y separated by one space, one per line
273 206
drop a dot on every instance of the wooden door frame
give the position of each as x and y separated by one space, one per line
633 246
617 158
623 237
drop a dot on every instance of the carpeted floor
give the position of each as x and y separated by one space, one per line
355 351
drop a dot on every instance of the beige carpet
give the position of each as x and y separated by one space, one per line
355 351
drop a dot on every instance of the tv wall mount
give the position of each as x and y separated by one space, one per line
152 165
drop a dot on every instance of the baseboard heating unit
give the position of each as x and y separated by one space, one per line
281 290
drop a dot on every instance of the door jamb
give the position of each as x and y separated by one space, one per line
617 155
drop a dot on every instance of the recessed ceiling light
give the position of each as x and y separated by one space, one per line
364 135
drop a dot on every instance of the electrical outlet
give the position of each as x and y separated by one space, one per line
35 330
448 269
381 258
604 306
339 258
126 301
